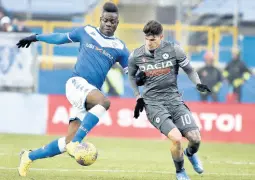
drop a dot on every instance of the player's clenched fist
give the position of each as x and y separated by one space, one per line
139 107
203 88
25 42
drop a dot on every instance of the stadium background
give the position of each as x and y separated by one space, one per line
41 108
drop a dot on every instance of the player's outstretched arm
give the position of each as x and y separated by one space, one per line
184 62
193 76
54 38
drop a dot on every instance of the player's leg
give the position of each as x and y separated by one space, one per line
83 95
194 139
54 148
160 118
203 97
237 91
176 149
215 97
185 122
96 104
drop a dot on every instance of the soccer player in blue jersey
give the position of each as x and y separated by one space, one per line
99 51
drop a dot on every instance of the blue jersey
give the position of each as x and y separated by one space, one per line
97 54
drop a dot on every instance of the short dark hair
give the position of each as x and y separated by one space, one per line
110 7
153 28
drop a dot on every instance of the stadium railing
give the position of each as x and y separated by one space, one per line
132 35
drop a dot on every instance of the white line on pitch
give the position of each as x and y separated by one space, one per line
211 162
126 171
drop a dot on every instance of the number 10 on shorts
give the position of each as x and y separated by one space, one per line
186 119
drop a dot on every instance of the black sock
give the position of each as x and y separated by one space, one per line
179 165
192 148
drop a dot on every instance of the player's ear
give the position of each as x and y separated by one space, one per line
161 36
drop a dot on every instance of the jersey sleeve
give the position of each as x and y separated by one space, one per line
123 59
75 35
244 68
199 72
132 70
181 57
220 78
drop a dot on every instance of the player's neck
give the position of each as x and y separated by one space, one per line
105 34
152 51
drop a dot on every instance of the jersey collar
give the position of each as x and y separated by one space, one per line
147 52
106 37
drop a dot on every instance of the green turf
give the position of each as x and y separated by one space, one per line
126 159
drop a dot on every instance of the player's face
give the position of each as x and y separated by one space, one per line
209 61
236 56
153 42
109 23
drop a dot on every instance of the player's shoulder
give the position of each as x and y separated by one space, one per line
170 44
89 28
139 51
80 29
121 42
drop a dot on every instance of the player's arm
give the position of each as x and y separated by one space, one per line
123 60
225 73
53 38
132 70
246 72
184 63
140 76
245 76
218 85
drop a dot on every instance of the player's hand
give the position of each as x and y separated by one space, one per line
25 42
140 78
203 88
139 107
238 82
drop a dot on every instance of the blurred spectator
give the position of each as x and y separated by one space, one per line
1 14
18 26
211 76
6 25
236 72
114 82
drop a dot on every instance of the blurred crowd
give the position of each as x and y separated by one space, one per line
8 24
235 73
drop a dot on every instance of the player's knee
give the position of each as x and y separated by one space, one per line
195 139
105 103
194 142
193 147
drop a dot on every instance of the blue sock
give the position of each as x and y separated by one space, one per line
52 149
89 121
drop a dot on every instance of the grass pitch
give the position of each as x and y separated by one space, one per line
126 159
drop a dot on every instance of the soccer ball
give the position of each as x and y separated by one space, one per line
85 154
